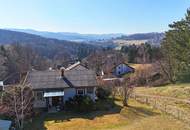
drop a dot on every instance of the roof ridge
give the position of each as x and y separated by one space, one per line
73 66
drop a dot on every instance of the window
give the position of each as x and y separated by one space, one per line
1 88
80 91
39 96
90 90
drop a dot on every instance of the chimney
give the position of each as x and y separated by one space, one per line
62 71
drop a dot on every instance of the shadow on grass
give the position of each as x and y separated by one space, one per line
103 108
143 112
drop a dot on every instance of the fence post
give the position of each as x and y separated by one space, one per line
178 113
154 104
146 100
165 107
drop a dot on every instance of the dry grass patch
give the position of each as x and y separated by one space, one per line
156 123
136 117
181 91
104 122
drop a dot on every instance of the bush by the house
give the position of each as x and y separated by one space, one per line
80 104
104 105
102 93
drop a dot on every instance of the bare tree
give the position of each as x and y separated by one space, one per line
126 85
168 69
18 101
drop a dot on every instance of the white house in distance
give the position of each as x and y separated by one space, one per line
5 124
116 70
122 69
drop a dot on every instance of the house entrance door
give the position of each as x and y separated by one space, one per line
55 101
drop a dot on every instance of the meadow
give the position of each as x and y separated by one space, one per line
136 117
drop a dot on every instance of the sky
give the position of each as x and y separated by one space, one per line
92 16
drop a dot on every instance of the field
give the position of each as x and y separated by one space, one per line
172 99
130 42
121 43
136 117
181 91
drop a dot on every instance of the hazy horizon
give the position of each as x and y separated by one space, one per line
29 29
92 17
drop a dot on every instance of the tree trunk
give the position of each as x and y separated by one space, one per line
22 109
125 98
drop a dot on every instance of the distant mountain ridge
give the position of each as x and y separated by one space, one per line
104 40
47 47
153 38
70 36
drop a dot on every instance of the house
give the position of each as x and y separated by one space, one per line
116 70
122 69
103 60
5 124
54 87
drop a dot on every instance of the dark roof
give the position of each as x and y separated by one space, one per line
46 79
78 76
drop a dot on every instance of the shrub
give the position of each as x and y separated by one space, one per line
80 104
104 105
102 93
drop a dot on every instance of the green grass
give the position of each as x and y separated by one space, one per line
136 117
181 91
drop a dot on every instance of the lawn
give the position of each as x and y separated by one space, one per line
177 105
181 91
136 117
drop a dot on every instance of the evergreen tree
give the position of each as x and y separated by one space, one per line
176 49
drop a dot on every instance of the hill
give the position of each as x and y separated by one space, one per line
47 47
70 36
144 36
104 40
139 38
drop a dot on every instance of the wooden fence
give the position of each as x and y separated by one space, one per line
179 108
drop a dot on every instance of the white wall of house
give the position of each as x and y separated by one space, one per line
40 101
122 69
69 93
91 92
